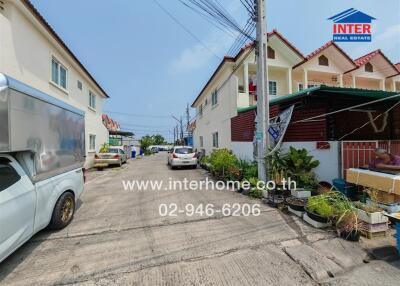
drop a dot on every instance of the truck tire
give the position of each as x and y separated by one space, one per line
63 212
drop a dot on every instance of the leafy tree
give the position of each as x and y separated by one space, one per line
158 139
146 141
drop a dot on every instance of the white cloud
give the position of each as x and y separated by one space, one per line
386 39
197 56
391 33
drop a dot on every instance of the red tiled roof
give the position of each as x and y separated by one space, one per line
366 58
397 66
286 41
320 49
242 50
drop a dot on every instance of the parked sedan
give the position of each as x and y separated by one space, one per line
181 156
114 156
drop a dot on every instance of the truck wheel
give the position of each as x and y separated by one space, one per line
63 212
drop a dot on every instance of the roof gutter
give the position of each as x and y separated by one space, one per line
51 31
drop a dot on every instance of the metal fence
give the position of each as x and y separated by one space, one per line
360 153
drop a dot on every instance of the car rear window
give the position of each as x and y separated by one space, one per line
183 150
111 150
8 176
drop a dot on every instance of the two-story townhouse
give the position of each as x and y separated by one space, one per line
233 85
32 52
322 82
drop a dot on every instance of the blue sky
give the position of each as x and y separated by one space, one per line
150 66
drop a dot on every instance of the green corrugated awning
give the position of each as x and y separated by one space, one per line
367 93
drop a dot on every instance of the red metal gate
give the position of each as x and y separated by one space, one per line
360 153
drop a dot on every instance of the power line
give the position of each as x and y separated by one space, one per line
136 115
216 11
347 108
186 29
208 19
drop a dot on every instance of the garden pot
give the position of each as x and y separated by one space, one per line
275 200
316 217
354 235
296 204
371 218
300 193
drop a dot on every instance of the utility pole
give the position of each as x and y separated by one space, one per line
181 123
174 135
189 133
262 123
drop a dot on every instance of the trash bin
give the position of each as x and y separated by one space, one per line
133 154
349 190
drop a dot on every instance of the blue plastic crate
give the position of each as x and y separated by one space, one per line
398 236
345 188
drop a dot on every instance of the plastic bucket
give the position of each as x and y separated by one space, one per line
345 188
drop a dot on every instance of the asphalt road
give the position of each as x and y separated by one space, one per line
119 237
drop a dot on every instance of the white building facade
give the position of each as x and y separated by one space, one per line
31 52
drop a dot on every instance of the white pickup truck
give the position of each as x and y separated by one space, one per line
42 152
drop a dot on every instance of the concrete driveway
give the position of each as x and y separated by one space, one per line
118 237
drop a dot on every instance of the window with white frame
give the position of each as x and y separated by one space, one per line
79 84
273 88
92 100
58 73
215 139
200 110
92 142
201 141
214 97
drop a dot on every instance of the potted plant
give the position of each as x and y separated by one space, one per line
300 166
319 209
296 204
347 225
370 214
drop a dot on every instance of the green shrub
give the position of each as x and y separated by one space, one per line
330 205
249 170
221 161
300 167
255 193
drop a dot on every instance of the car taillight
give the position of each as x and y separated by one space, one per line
174 156
84 174
116 157
96 156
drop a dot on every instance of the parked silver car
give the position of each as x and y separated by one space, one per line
114 156
181 156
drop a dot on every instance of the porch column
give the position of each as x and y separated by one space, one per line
340 76
353 79
382 84
246 77
289 80
393 85
305 79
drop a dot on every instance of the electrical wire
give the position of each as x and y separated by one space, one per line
186 29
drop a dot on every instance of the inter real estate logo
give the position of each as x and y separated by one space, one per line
352 26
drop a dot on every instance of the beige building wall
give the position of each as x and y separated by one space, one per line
26 51
217 118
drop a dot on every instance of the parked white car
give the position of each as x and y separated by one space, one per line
181 156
